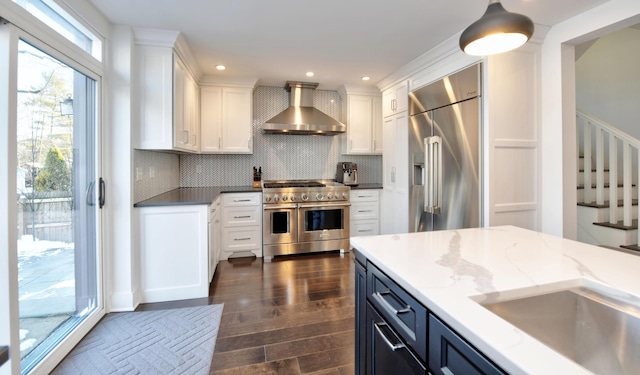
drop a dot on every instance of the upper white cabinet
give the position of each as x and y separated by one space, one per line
226 117
168 94
362 113
395 99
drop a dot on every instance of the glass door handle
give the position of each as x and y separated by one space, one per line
103 193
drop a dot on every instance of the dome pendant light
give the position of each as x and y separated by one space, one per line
497 31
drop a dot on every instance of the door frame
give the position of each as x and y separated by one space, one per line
10 35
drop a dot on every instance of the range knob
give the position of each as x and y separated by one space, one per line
267 198
304 197
284 198
276 198
329 195
292 198
319 196
345 195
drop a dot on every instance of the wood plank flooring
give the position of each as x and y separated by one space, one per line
294 315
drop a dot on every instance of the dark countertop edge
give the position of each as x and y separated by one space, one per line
193 196
366 186
4 354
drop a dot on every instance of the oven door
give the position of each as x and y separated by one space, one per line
323 221
280 224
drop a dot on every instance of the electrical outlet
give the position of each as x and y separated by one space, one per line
152 172
198 168
138 174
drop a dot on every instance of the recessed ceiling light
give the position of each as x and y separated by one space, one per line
310 74
221 67
366 78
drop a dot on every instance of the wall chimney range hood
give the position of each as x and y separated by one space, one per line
301 117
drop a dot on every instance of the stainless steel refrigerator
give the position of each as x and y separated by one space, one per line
444 153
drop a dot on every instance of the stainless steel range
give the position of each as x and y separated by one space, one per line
302 216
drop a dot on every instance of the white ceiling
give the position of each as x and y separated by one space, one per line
339 40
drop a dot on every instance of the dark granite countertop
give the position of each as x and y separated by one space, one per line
193 195
366 186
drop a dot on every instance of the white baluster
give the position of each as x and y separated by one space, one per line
626 190
587 162
613 179
599 165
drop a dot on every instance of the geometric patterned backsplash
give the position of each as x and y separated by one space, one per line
164 166
281 156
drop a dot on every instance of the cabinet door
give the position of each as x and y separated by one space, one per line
376 126
237 121
211 119
388 102
192 112
449 354
401 95
389 156
359 124
180 131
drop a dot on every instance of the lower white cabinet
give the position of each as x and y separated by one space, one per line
174 254
241 225
365 212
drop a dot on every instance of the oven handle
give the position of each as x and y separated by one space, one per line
278 207
323 205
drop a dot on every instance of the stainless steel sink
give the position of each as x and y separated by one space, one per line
597 331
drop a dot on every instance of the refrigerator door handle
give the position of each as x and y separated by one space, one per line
433 183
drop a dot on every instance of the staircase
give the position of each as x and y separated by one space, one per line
607 184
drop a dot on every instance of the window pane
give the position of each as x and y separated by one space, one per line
57 278
55 17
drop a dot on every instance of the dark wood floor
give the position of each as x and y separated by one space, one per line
294 315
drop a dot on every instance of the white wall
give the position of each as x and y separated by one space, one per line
558 108
608 80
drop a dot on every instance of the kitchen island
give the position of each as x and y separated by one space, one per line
452 272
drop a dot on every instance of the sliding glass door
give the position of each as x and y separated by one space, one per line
59 196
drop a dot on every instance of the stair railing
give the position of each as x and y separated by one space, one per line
589 126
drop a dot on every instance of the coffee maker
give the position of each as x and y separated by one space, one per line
347 173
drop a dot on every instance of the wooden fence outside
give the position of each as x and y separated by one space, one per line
51 217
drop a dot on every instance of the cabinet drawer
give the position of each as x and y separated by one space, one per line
364 210
242 199
404 313
242 216
364 195
449 354
364 228
241 239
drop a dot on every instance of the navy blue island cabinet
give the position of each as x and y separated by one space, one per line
396 334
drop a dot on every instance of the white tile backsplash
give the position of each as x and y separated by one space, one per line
162 166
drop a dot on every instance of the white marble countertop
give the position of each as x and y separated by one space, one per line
448 271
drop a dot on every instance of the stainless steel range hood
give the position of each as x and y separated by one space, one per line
301 117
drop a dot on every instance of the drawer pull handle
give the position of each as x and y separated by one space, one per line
392 346
242 200
242 217
241 238
365 230
381 295
365 210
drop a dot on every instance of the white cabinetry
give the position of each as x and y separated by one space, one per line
174 257
395 99
215 242
362 113
364 219
241 224
226 119
395 160
168 101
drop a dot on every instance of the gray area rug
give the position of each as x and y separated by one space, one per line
173 341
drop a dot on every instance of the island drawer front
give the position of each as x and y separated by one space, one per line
404 313
449 354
